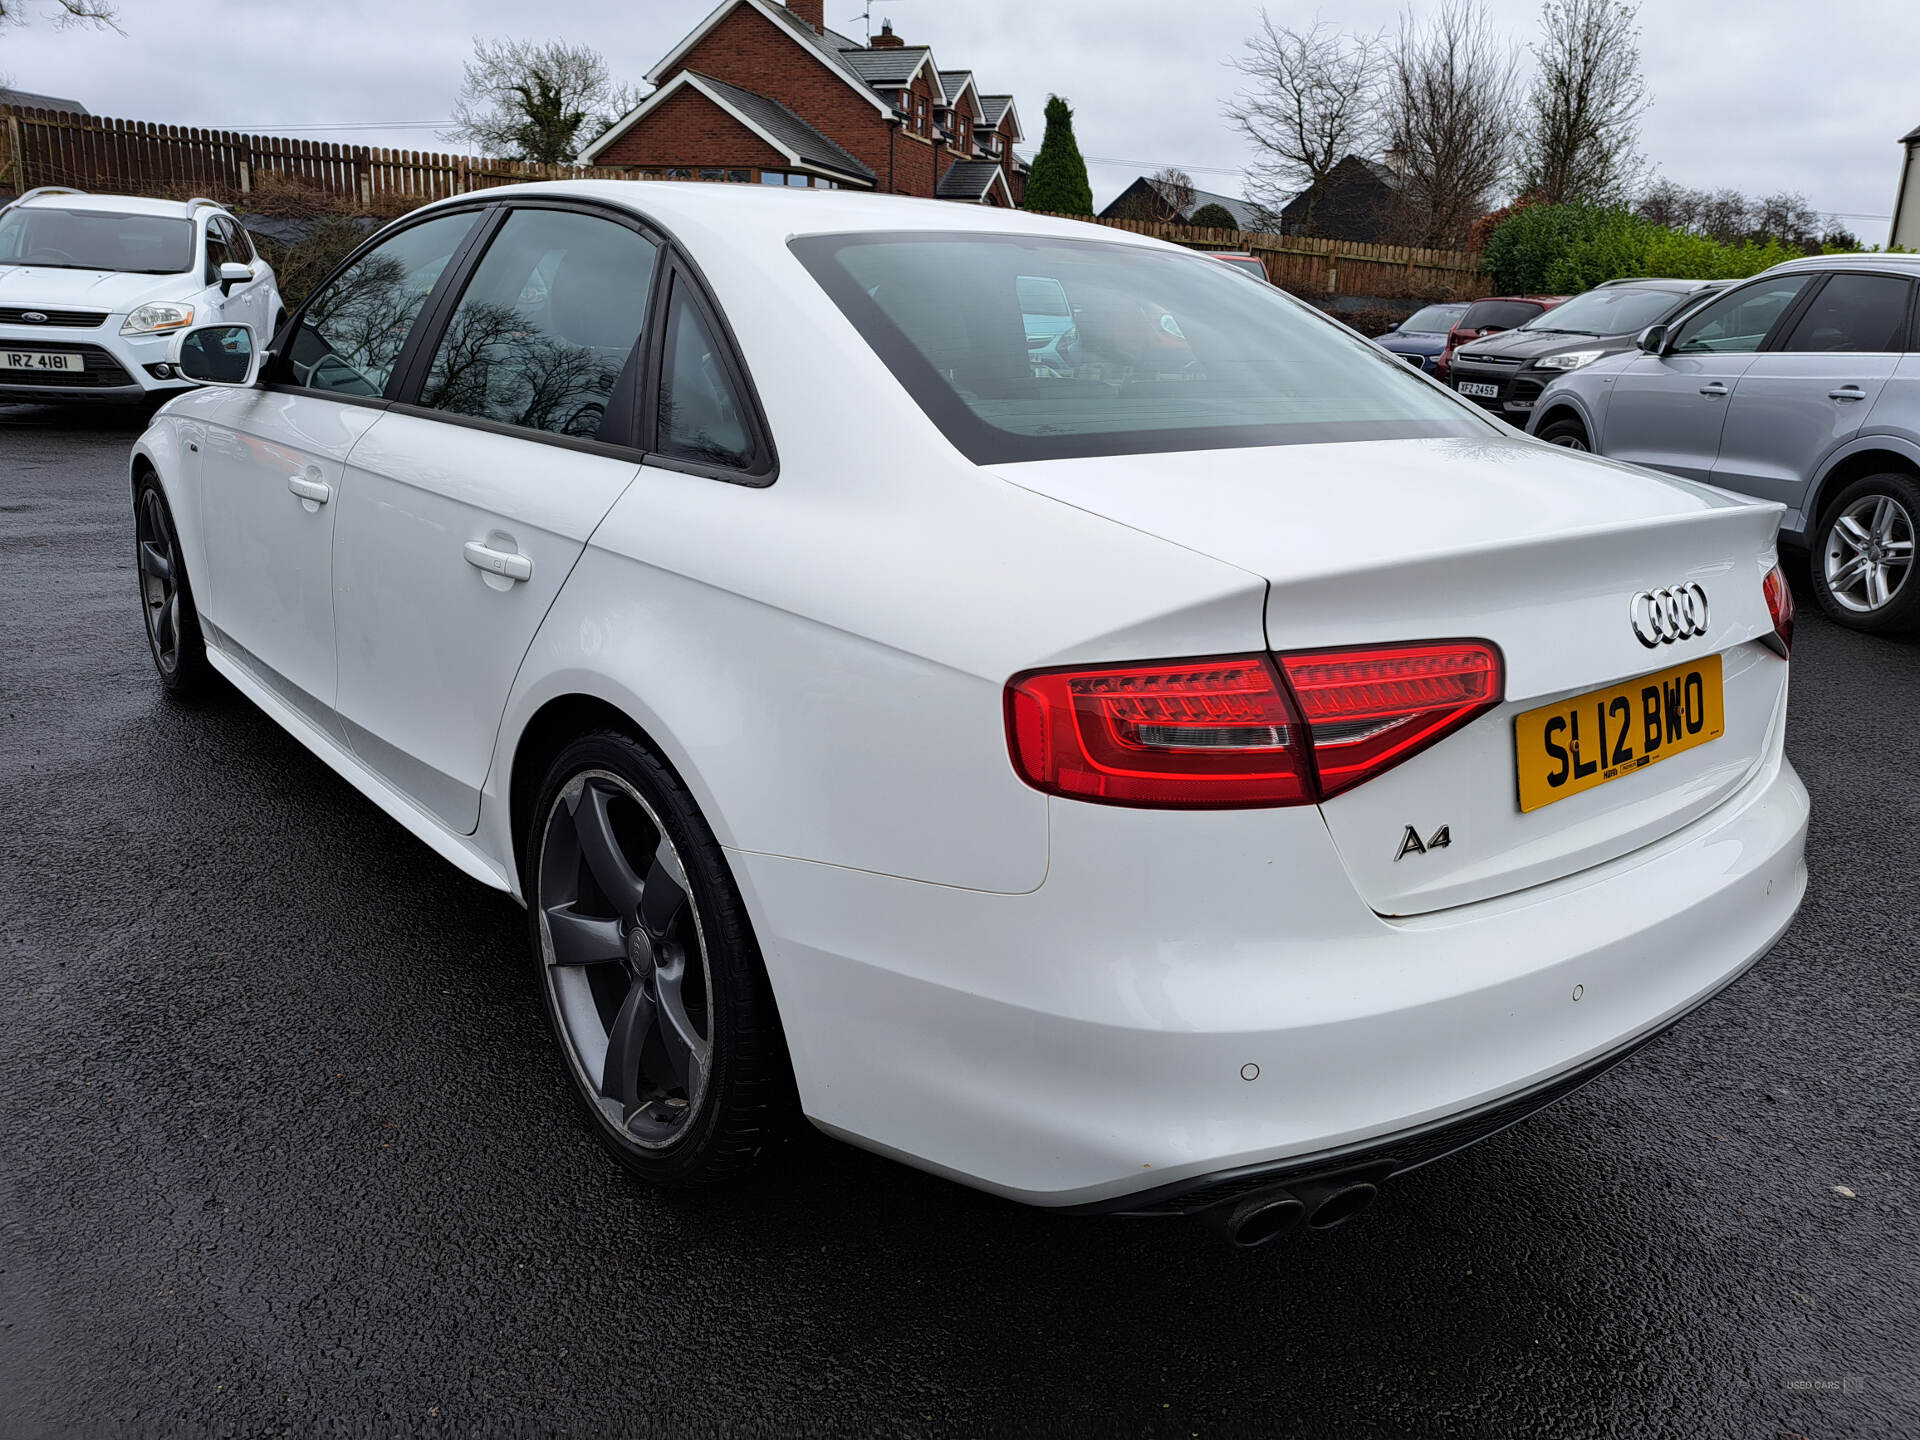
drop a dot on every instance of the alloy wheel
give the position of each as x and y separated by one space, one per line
1869 553
624 959
159 560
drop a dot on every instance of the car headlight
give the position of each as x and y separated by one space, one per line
1568 360
158 315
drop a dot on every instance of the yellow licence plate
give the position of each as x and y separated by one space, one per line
1574 745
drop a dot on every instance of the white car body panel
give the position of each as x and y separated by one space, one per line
429 644
1048 998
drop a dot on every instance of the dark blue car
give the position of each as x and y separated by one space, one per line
1423 335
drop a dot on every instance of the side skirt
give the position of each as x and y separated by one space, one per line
456 850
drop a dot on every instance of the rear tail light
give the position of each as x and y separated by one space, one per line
1239 731
1367 710
1200 734
1780 607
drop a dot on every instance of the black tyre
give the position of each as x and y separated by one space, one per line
1862 560
166 597
1568 433
648 968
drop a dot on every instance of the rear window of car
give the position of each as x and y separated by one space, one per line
1166 351
96 240
1499 314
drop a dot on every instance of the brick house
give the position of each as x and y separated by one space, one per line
764 93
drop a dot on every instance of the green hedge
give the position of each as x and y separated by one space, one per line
1565 249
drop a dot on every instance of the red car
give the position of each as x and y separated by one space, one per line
1488 317
1250 265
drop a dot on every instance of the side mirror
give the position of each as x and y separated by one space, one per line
1653 339
217 355
232 274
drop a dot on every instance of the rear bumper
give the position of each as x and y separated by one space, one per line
1193 994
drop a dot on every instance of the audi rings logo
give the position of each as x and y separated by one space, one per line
1661 617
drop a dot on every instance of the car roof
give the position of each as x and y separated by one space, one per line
763 216
114 204
1858 260
1661 282
1524 299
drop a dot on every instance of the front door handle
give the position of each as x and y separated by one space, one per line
1847 392
318 491
499 562
1714 387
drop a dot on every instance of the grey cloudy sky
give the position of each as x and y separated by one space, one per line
1761 95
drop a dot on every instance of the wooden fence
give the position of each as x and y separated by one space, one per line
1336 267
92 152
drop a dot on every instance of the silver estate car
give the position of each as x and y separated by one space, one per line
1801 385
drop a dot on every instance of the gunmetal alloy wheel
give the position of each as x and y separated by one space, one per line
625 960
159 560
1567 434
166 599
1869 554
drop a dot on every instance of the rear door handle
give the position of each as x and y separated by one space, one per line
318 491
1714 387
499 562
1847 392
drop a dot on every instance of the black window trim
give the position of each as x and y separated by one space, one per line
410 369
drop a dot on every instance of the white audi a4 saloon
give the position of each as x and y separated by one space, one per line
1183 762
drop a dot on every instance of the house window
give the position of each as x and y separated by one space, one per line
773 177
680 172
921 117
739 177
712 173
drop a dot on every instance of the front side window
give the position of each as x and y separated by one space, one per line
701 415
1738 322
238 241
546 324
1854 314
218 251
96 240
351 333
1165 352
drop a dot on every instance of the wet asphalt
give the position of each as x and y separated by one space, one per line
284 1147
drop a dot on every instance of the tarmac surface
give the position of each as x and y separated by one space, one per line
287 1150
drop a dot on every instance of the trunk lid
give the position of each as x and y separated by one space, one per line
1510 541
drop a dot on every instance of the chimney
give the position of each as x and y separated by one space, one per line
814 12
886 39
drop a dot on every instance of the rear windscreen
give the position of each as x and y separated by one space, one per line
1031 348
1498 314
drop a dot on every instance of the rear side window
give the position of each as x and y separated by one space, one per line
1167 350
547 324
701 416
1498 314
351 333
1863 314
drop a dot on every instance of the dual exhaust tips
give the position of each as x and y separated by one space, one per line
1322 1204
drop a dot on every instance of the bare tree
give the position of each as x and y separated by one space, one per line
1726 215
539 102
1671 205
1786 216
1582 120
101 14
1450 109
1175 186
1313 100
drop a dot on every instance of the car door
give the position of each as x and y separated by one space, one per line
251 303
466 506
1668 410
1802 399
275 458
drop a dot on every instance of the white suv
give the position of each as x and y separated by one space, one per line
93 289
